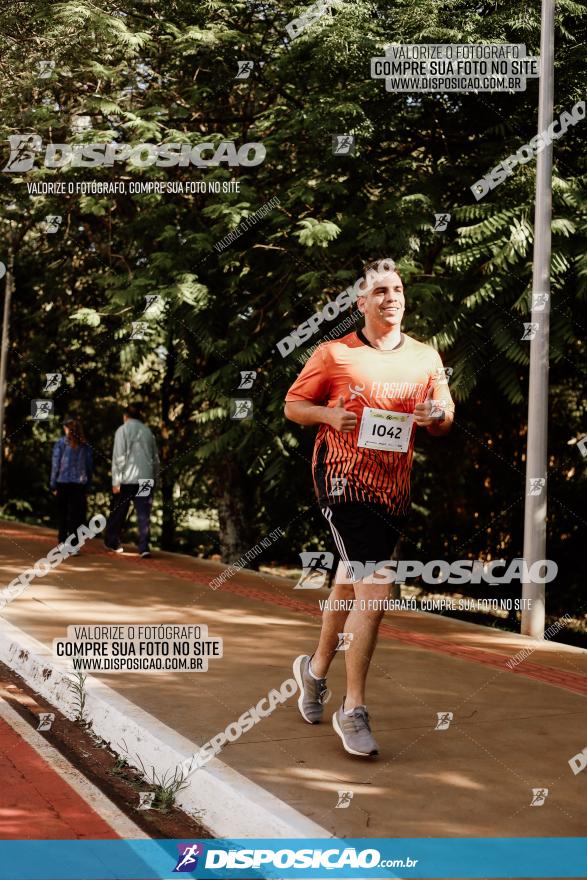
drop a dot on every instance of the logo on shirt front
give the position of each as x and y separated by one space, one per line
392 390
397 389
356 393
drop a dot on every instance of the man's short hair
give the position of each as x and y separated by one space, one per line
377 267
133 411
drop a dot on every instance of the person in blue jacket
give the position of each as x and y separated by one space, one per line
71 477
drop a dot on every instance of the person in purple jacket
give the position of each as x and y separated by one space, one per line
71 476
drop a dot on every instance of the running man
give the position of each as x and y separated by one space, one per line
368 392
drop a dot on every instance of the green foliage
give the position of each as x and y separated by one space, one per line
77 684
157 71
165 786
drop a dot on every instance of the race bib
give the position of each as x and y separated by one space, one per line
386 430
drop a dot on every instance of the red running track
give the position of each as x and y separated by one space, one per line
36 803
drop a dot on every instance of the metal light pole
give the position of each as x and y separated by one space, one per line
536 459
9 285
8 289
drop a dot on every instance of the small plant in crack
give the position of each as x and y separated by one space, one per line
77 683
120 765
165 786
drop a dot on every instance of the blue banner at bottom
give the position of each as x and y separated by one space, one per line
446 858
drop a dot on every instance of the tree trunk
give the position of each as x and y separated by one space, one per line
235 512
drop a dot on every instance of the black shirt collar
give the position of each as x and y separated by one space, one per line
365 341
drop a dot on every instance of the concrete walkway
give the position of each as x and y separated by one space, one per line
511 731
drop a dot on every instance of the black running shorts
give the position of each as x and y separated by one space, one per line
364 532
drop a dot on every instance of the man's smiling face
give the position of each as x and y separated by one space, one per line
384 305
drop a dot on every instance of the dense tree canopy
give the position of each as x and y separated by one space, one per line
165 72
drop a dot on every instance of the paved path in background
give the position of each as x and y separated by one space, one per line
512 731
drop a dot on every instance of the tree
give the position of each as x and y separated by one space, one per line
166 73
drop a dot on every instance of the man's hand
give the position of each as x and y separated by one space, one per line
422 411
115 490
341 419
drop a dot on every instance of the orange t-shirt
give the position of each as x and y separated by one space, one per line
367 377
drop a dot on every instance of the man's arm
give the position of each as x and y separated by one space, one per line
438 400
442 426
118 458
305 412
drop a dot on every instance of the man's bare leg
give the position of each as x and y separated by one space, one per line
333 623
363 622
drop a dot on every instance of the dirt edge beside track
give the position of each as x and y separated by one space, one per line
96 760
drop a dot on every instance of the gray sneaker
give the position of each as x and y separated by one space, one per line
313 691
355 731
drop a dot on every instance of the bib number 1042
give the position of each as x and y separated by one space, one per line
385 430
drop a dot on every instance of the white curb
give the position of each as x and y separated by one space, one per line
230 804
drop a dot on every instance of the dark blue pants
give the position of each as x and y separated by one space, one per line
119 507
